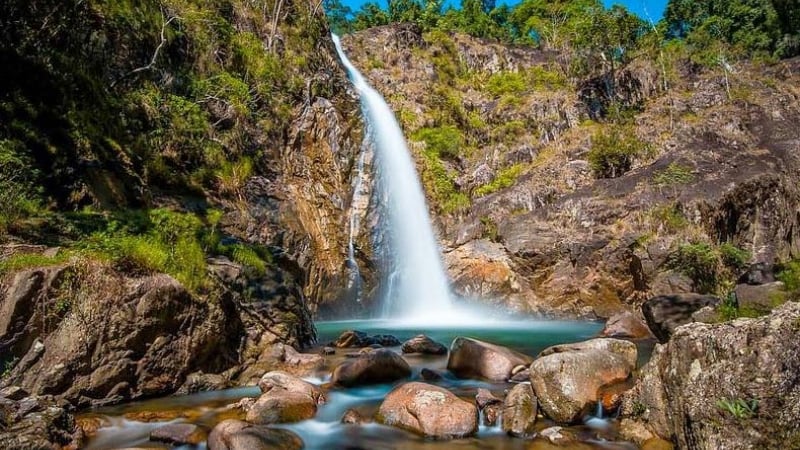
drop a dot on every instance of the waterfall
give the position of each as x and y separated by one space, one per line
420 288
358 205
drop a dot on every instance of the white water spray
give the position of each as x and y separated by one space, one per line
420 288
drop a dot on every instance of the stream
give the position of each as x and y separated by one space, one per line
129 425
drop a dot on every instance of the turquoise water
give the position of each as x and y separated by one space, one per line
325 432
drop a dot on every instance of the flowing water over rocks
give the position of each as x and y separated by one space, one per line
132 425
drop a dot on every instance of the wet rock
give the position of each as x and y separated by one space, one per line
203 382
755 361
423 344
428 410
757 274
471 358
35 422
623 349
237 435
489 405
277 381
519 411
352 338
327 351
760 298
665 313
568 379
377 366
522 376
625 325
90 424
429 375
385 340
353 417
552 434
179 434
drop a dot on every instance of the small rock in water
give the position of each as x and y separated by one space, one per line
490 405
352 417
386 340
625 325
237 435
429 375
352 338
327 351
282 406
278 380
178 434
521 377
423 344
553 434
377 366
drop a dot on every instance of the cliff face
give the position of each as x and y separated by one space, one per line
216 142
504 144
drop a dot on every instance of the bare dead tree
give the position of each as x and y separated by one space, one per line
165 23
275 14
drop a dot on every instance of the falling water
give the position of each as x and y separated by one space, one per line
420 289
357 207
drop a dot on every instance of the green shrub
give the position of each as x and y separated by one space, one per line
505 178
490 229
670 218
789 274
733 256
544 79
613 151
446 141
507 83
674 174
29 260
712 269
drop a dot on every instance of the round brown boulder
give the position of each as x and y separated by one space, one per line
423 344
179 434
428 410
471 358
377 366
237 435
519 411
626 325
278 380
282 406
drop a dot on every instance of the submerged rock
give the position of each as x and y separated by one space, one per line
423 344
179 434
625 325
724 386
471 358
430 375
354 338
286 399
428 410
665 313
377 366
277 381
519 411
237 435
353 417
568 379
489 405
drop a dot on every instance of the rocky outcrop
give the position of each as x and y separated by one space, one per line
519 411
665 313
237 435
734 385
354 338
760 299
423 344
471 358
91 335
34 422
377 366
428 410
568 380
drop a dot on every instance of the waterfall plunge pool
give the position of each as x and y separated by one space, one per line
129 425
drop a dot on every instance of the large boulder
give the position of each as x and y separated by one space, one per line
519 411
377 366
733 385
423 344
237 435
625 326
471 358
665 313
428 410
569 380
355 338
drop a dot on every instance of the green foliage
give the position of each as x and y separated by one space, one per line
446 141
507 83
614 150
19 196
670 218
490 229
789 274
440 185
23 261
712 269
738 408
505 178
674 174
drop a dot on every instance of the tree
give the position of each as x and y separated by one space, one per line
339 16
370 15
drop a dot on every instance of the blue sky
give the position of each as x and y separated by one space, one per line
653 8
